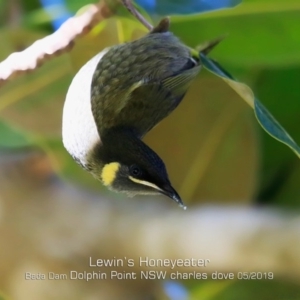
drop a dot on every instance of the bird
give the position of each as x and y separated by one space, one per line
116 98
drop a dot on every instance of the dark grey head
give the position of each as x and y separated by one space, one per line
130 166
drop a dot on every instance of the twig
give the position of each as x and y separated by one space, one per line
128 4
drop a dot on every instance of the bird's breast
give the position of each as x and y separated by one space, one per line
79 130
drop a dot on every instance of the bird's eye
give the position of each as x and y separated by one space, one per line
135 171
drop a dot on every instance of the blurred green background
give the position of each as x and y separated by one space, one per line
214 149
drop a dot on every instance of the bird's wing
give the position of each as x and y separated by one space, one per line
147 103
176 85
180 83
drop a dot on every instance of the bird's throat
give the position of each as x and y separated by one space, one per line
120 144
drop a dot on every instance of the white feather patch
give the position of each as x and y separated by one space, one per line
79 130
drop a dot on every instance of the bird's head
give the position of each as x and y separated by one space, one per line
131 167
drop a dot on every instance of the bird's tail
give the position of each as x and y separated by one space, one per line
208 46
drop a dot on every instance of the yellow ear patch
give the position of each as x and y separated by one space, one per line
109 173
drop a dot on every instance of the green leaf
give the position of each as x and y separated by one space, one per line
210 289
12 138
265 119
2 297
259 33
279 176
249 289
271 126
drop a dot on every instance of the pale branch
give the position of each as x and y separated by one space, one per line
60 41
63 39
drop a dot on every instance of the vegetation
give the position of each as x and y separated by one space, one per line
54 216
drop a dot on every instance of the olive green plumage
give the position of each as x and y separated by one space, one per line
141 82
131 87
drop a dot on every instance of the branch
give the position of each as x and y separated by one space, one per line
60 41
63 39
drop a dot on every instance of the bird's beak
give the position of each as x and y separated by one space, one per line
169 191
